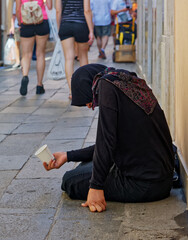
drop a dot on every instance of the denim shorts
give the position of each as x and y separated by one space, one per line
79 31
32 30
101 31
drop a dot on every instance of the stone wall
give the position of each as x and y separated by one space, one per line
155 51
162 59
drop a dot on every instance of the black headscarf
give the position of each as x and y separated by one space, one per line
81 83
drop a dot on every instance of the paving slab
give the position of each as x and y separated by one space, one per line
87 144
54 104
31 193
20 144
155 220
54 84
7 128
62 96
23 102
50 111
19 110
78 114
12 162
13 117
41 119
75 122
75 222
4 104
32 93
95 122
68 133
25 224
2 137
34 128
12 98
91 137
5 179
63 145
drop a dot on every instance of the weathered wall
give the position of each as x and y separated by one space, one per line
181 76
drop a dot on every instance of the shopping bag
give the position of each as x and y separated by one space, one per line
10 51
53 36
56 68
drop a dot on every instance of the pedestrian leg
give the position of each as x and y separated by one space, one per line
83 53
40 53
69 53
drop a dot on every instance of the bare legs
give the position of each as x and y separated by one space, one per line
17 52
27 51
83 53
68 49
69 53
40 53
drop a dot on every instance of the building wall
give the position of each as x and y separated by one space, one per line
162 59
181 86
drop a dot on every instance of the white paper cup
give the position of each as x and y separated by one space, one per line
44 154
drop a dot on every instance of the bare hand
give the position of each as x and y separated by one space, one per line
11 31
60 159
95 200
91 39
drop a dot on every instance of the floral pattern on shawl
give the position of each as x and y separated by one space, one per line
132 86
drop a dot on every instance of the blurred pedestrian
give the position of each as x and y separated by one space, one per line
34 27
122 8
102 23
74 21
15 30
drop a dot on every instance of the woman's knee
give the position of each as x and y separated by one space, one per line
27 55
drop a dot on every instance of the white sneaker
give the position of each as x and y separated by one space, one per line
16 65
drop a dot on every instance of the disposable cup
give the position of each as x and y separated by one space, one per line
44 154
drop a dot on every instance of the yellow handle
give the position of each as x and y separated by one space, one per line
121 38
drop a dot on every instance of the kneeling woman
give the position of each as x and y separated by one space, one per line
132 160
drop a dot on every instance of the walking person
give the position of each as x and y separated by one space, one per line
34 27
74 21
102 23
133 159
15 30
122 8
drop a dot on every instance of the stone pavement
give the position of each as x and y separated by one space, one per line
32 205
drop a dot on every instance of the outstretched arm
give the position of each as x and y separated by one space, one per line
115 12
80 155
